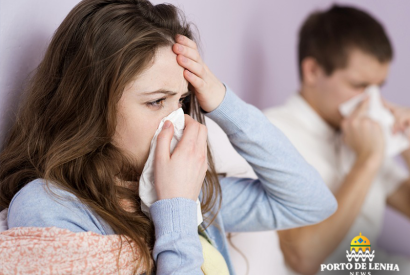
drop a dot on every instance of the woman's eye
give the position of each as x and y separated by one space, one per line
160 102
157 103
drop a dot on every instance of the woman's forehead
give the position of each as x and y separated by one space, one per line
164 73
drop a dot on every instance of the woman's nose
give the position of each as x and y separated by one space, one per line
176 106
172 108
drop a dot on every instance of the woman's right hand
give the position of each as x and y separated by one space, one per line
182 173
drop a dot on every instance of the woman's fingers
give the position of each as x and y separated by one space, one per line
191 65
186 51
196 81
182 39
188 56
208 89
183 174
189 136
195 137
162 152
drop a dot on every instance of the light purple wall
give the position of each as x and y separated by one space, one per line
250 45
26 28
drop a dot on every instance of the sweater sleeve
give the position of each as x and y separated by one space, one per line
288 191
177 248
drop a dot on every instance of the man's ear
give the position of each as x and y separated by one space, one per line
310 71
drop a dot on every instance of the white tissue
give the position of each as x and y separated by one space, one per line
395 144
147 191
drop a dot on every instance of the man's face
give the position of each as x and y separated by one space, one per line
361 71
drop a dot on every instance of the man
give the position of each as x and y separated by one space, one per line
342 51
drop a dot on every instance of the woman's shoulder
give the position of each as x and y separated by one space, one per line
39 190
39 204
38 194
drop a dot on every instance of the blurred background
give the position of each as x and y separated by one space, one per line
249 45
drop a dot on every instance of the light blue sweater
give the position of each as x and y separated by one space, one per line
288 193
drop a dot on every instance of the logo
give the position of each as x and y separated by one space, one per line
360 259
360 248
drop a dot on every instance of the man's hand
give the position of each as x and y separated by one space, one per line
402 116
402 124
364 136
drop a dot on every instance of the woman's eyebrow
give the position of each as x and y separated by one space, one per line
162 91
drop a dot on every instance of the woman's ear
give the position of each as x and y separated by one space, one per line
310 71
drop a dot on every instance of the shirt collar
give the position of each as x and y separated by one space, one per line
310 118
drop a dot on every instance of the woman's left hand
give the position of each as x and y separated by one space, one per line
208 89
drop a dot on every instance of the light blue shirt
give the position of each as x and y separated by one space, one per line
288 193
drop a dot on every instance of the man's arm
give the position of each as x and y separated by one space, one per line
296 244
400 199
365 138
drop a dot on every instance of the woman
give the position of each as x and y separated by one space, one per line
113 70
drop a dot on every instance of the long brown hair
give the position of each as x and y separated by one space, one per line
63 131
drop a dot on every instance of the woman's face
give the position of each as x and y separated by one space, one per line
154 94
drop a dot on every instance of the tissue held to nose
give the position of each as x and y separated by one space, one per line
395 144
147 190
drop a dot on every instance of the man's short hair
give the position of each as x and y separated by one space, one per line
329 35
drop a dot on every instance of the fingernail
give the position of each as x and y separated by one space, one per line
167 124
183 58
